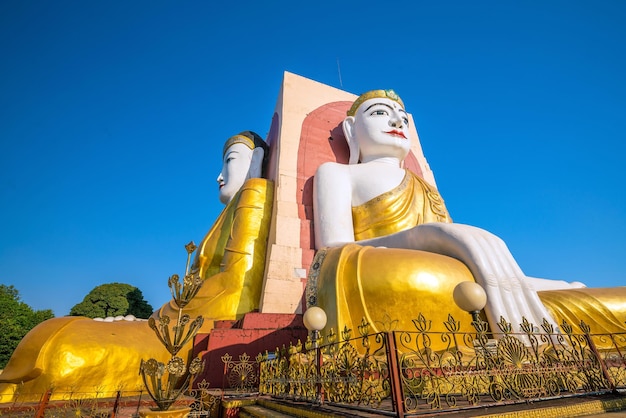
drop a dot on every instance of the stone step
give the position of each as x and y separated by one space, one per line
258 411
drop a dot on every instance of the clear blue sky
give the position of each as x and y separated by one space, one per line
113 115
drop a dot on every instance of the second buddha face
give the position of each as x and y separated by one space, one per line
235 169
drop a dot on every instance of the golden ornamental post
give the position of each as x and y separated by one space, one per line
315 321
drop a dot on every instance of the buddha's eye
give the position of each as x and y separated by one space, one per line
405 120
379 112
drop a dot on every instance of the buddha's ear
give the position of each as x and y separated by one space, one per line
256 163
353 145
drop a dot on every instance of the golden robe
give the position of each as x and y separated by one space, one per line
91 357
231 258
391 287
603 309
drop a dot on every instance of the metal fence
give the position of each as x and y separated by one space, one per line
403 373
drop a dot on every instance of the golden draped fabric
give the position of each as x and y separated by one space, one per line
411 203
387 287
231 257
603 309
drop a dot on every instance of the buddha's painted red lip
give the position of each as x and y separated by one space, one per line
396 133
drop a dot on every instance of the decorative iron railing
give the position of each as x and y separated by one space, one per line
240 375
413 372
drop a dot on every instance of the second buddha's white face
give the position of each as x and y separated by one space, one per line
235 169
381 129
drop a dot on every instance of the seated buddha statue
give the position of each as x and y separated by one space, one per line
387 249
82 355
232 254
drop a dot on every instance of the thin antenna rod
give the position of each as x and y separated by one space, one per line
339 71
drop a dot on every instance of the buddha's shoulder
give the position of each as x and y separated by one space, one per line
332 169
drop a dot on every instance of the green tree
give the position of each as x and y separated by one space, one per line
16 319
113 299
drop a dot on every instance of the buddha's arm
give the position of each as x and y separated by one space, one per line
332 206
509 294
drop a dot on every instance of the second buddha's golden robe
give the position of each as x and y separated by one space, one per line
385 285
231 258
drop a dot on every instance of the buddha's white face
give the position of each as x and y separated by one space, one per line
381 129
235 169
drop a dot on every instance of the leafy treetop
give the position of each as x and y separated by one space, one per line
113 299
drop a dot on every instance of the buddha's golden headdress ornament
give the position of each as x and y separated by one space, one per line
373 94
238 139
250 139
